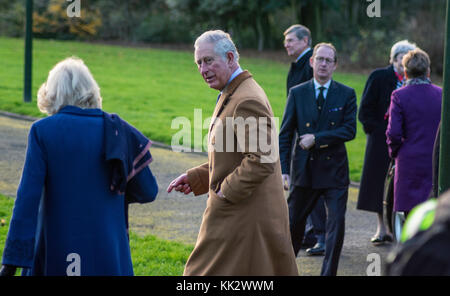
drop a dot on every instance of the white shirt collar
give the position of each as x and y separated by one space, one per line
317 84
235 73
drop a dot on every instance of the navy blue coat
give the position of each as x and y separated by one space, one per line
65 209
299 72
375 102
325 165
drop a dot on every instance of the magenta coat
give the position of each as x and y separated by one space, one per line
414 116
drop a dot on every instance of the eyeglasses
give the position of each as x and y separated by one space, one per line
320 60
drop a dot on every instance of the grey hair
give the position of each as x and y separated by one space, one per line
401 47
69 83
300 32
222 43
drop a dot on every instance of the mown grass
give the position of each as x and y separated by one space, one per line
149 87
150 255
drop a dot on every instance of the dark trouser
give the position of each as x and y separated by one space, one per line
301 202
315 223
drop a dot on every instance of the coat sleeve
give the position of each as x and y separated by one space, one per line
369 102
346 131
142 187
198 178
258 159
287 133
394 131
19 247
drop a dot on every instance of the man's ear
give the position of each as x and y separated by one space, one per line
230 57
311 61
306 39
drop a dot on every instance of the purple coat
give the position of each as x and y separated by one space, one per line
414 116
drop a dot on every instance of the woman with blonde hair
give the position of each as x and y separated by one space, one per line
82 168
414 116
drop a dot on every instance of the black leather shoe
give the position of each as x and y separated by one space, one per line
317 250
308 243
380 240
7 270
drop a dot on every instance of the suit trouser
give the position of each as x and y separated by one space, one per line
301 202
315 223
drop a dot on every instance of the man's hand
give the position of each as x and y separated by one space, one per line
307 141
180 184
286 181
220 194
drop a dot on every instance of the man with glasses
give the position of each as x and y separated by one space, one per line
322 114
297 41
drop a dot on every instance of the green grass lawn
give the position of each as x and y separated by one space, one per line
149 87
150 255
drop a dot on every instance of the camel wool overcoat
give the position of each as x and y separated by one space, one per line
246 232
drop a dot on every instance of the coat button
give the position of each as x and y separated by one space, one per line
312 158
308 124
332 123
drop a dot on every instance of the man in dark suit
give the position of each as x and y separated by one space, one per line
322 113
297 41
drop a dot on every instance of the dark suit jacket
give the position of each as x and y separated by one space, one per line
325 165
299 72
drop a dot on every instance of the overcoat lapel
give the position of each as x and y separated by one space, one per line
310 102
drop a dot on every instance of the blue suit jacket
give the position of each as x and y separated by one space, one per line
65 204
325 165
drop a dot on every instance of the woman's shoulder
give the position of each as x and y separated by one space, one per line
382 72
436 88
45 122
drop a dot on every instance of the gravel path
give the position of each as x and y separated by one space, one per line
177 217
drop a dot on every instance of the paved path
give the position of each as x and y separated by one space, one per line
178 217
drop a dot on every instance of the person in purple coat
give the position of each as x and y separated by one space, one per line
414 116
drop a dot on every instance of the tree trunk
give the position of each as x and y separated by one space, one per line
260 33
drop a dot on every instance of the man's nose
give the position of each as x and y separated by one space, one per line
203 68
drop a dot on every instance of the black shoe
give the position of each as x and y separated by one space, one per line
380 240
317 250
308 243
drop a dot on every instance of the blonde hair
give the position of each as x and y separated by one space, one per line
69 83
416 63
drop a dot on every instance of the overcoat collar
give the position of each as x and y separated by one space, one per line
228 91
230 88
301 61
80 111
